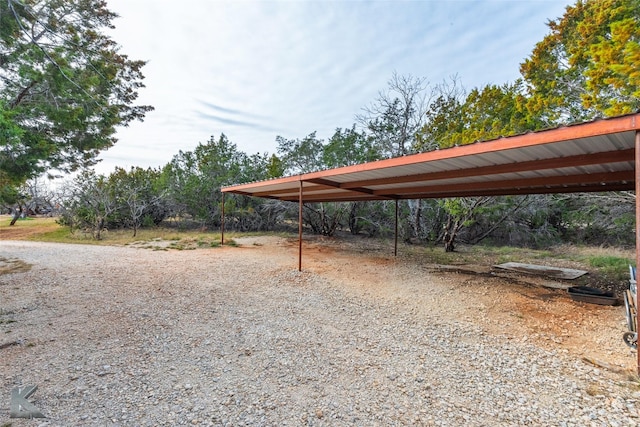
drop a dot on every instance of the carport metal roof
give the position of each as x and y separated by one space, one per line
594 156
603 155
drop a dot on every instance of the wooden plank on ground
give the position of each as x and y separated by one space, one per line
543 270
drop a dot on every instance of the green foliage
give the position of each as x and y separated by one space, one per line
613 79
346 147
349 147
324 218
598 219
471 211
12 165
193 179
537 223
90 204
584 68
484 114
275 168
64 87
444 123
192 182
587 65
301 155
371 218
124 199
138 197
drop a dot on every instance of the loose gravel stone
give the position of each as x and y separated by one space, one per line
119 336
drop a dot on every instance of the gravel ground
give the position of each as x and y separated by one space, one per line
117 336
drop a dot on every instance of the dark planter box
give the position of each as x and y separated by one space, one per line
592 295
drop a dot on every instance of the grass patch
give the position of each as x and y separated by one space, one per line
199 242
28 221
26 218
57 234
612 264
158 238
613 267
608 262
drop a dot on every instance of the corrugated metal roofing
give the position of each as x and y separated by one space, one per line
593 156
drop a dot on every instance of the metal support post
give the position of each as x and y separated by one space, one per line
300 228
222 223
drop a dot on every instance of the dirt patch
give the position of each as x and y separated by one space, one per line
22 230
517 305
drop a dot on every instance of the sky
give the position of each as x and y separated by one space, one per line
255 70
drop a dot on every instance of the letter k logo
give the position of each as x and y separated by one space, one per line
20 407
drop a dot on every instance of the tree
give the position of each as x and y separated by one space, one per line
396 116
495 111
586 67
349 147
613 79
345 148
275 168
485 113
393 121
301 156
64 86
90 202
304 156
461 213
138 197
193 179
443 117
180 180
12 162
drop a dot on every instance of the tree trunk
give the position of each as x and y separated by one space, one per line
450 232
354 228
16 215
99 227
417 221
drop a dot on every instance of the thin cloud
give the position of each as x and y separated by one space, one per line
234 122
227 110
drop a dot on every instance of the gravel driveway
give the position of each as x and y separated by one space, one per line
116 336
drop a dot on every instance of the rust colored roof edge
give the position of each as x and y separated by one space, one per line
626 123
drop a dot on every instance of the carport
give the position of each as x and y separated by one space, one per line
602 155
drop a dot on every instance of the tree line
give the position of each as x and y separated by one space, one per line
585 68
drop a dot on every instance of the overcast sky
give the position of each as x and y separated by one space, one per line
254 70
